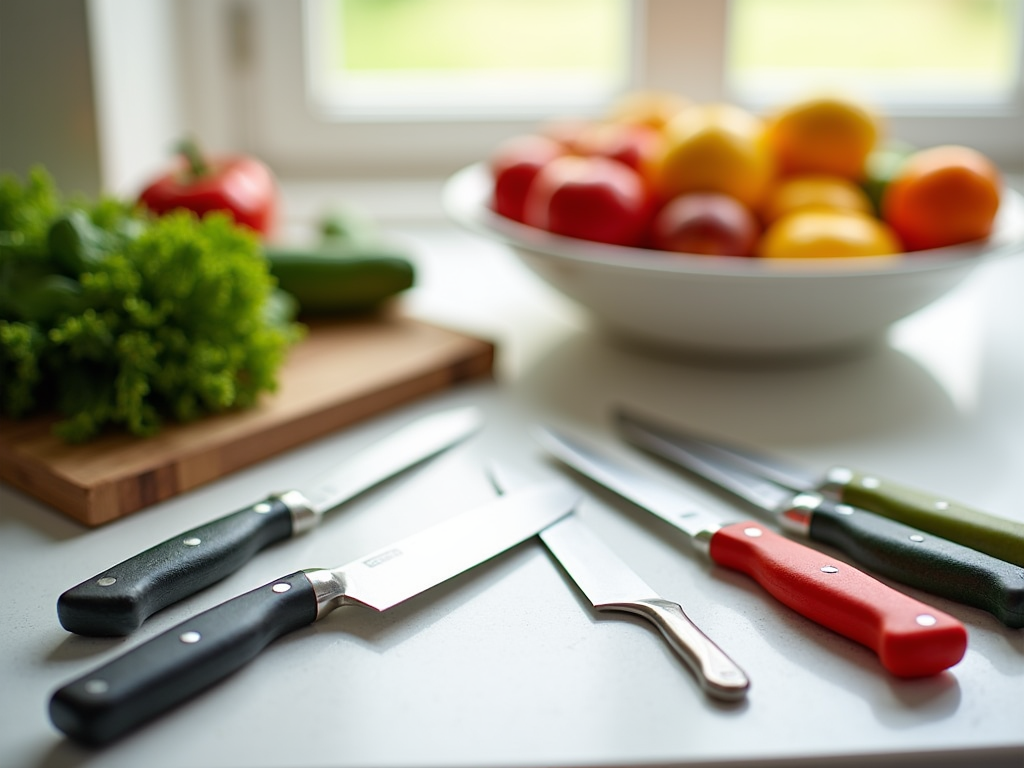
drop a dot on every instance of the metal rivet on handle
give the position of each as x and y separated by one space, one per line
190 637
844 509
829 569
282 587
752 532
192 542
926 620
262 508
916 537
940 504
107 581
871 482
97 686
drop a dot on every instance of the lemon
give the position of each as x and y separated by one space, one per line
830 234
819 192
714 148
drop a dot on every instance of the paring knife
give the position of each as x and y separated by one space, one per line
611 585
997 536
172 667
117 601
887 547
911 639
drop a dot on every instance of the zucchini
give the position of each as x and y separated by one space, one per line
340 280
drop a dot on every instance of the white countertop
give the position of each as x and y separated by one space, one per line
507 665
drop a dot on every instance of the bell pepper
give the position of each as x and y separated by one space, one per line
239 184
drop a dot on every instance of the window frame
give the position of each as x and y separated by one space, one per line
250 95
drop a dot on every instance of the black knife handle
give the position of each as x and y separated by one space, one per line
161 673
116 602
922 560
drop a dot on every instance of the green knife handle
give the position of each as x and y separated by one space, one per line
161 673
920 559
117 601
996 536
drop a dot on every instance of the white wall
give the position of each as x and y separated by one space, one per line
89 88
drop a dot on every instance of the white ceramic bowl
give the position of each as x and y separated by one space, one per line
733 307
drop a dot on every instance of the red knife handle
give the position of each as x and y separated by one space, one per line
912 639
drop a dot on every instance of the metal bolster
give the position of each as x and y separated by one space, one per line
702 539
303 515
796 516
329 588
836 479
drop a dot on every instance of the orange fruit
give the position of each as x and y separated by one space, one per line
829 134
714 148
943 196
813 234
798 193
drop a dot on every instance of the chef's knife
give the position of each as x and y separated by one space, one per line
887 547
996 536
611 585
117 601
174 666
910 638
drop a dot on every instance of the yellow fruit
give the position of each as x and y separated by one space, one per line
828 135
652 108
714 148
798 193
818 234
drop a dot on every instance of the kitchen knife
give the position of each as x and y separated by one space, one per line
996 536
117 601
888 547
611 585
174 666
910 638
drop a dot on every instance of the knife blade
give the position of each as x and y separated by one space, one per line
611 585
886 546
118 600
999 537
910 638
161 673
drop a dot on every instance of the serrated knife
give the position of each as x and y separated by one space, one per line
117 601
888 547
611 585
161 673
910 638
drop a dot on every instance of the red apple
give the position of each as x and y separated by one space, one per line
634 145
708 223
592 198
513 167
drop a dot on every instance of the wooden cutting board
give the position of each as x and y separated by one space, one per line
343 371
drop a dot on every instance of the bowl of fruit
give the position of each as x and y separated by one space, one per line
703 228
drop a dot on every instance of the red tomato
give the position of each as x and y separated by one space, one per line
708 223
592 198
239 185
513 167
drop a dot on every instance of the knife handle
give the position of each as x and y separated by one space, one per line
719 675
996 536
920 559
161 673
115 602
910 638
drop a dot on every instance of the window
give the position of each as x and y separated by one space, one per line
311 86
469 58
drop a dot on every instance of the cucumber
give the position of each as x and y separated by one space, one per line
340 281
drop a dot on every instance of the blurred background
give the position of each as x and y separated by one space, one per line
100 90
